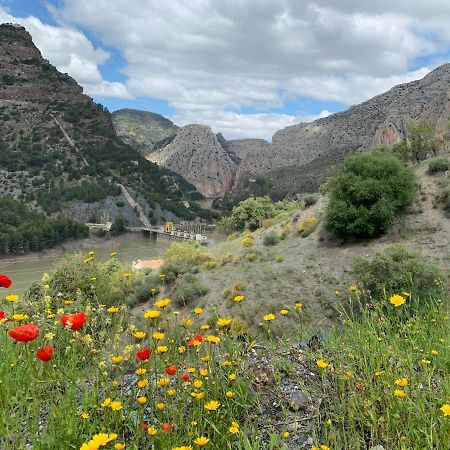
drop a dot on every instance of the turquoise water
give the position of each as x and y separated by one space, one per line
26 269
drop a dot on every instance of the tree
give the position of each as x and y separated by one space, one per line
371 190
422 140
118 227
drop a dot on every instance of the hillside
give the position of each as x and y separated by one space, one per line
143 130
58 149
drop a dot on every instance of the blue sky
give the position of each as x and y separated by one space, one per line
245 68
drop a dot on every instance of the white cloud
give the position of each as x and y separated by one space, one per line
71 52
212 59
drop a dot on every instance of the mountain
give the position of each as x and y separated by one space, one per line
302 156
143 130
198 156
59 152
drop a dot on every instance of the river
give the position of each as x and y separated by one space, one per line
25 269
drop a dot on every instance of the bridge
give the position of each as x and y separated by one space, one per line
173 234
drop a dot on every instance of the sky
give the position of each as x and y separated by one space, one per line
245 67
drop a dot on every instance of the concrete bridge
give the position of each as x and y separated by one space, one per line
175 234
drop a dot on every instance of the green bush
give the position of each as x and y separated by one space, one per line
271 239
142 292
397 270
371 190
118 227
188 290
438 165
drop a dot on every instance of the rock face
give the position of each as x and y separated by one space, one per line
59 152
197 155
143 130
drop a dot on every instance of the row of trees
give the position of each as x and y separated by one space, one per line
22 230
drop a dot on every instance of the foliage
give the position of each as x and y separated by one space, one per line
422 141
310 199
438 165
271 239
386 380
252 211
307 226
397 269
118 227
189 253
371 190
248 241
189 289
22 230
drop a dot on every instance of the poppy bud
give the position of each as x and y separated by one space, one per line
5 281
171 370
144 354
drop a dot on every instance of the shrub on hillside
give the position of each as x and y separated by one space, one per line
307 226
248 241
438 165
189 289
143 290
271 239
371 190
188 253
395 270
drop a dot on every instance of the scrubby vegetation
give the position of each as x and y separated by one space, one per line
369 193
23 230
438 165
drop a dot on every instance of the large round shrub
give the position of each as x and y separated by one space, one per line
371 190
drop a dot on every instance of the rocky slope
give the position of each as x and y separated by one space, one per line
58 149
143 130
197 155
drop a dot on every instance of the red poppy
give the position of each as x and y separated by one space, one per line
45 353
197 337
185 377
74 321
171 370
2 315
143 426
167 427
24 333
143 354
5 281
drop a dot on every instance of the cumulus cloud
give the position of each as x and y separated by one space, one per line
213 59
71 52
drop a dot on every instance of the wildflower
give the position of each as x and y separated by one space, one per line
73 321
85 415
68 302
336 293
426 362
142 400
406 294
227 363
107 402
239 298
127 275
284 312
201 441
191 369
212 405
45 354
232 376
198 311
113 254
160 406
161 349
158 336
167 427
24 333
286 434
234 428
116 406
379 373
400 393
163 382
321 364
19 317
152 431
434 352
140 371
152 314
171 370
183 447
140 334
119 446
223 322
353 288
162 277
213 339
397 300
206 358
162 303
198 383
171 392
402 382
445 408
329 422
269 317
144 354
12 298
349 373
117 359
5 281
112 309
229 394
142 383
181 349
203 372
